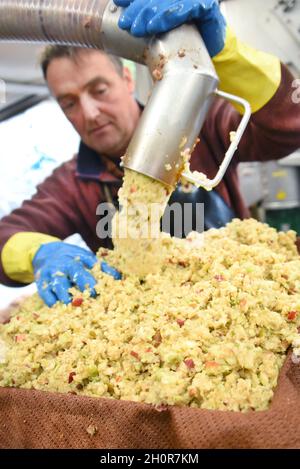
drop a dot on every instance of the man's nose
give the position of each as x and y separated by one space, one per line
90 108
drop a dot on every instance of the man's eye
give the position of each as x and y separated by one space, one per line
67 106
100 91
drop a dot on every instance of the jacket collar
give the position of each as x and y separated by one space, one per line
91 165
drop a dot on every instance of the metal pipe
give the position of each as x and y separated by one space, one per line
179 62
76 23
172 119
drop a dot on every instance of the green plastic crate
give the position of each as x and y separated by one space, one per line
284 219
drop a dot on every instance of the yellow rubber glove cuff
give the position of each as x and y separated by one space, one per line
18 252
247 72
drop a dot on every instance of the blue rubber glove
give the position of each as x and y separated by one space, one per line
149 17
58 266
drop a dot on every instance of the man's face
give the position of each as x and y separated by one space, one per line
96 100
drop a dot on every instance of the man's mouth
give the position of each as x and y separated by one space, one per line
100 129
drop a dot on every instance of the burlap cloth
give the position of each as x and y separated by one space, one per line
35 419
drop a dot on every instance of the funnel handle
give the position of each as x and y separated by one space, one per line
199 179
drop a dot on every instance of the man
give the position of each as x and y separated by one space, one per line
96 96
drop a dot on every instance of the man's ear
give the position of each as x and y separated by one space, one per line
128 78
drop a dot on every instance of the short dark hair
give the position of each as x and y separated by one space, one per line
56 51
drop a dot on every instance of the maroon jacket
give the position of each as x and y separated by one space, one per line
66 202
